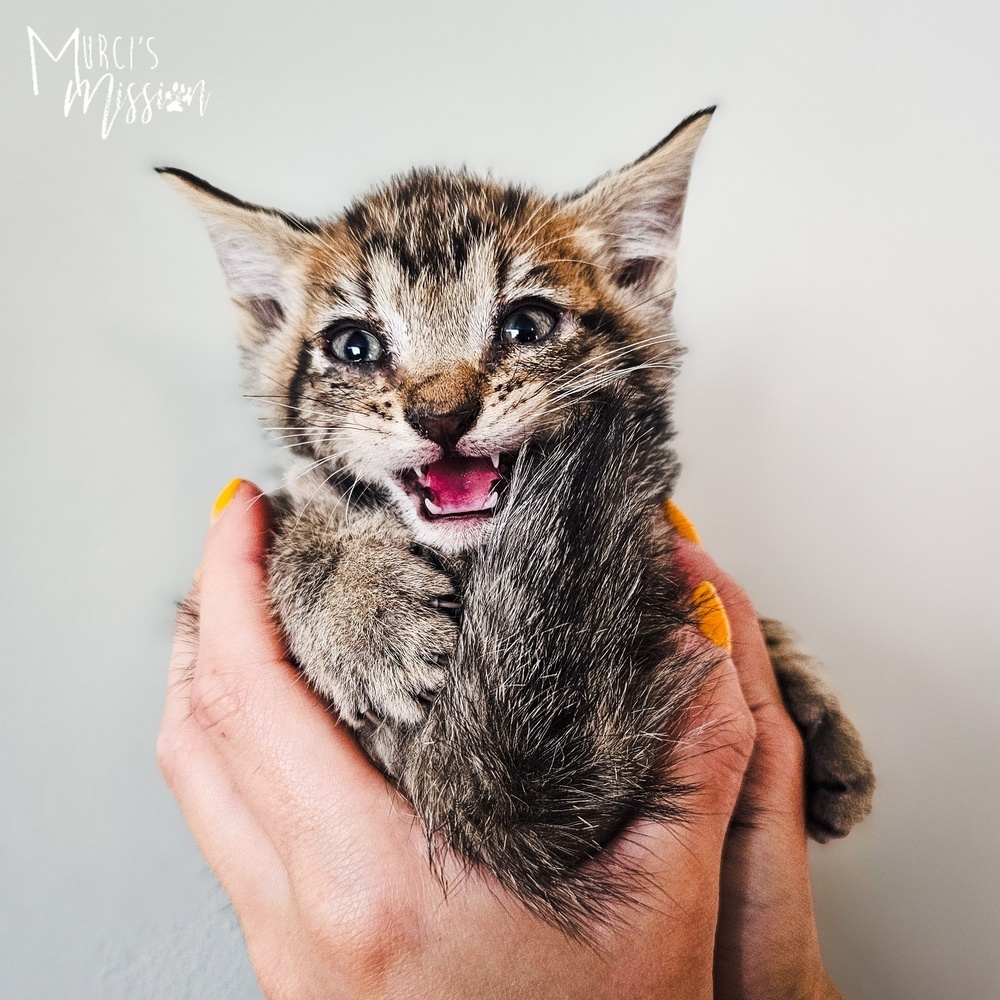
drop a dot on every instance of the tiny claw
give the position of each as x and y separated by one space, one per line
425 699
373 719
448 601
438 659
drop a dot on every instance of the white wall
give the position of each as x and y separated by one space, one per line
838 409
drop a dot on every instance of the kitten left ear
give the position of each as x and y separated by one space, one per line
257 247
637 211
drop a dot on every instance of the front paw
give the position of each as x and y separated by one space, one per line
374 636
412 640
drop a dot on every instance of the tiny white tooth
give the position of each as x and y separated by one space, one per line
495 459
433 507
491 501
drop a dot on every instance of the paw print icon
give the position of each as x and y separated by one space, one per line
178 96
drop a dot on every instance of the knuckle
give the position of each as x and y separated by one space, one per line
216 698
176 755
744 729
790 744
366 933
733 592
739 741
169 756
727 745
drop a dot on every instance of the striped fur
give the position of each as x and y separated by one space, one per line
530 725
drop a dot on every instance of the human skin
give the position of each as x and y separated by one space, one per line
767 947
327 869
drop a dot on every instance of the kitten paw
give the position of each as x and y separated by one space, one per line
402 658
401 686
373 632
840 781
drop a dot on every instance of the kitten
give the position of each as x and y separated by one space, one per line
470 560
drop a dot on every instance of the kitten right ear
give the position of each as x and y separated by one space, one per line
637 211
257 247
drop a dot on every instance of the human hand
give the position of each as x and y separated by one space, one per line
327 869
767 946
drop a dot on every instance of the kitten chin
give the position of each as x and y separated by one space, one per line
451 536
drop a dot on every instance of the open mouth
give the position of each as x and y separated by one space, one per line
458 486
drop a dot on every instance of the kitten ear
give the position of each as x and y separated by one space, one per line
636 213
257 247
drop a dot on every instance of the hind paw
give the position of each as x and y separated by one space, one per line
840 781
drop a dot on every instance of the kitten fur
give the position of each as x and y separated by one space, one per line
517 670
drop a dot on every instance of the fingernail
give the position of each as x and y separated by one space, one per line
679 520
713 622
222 500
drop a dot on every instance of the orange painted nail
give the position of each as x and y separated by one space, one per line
679 520
222 500
713 622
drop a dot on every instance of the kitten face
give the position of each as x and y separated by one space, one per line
409 348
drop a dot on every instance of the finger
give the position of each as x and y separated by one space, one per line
240 625
680 858
773 790
746 642
712 752
711 746
749 651
301 774
714 738
234 846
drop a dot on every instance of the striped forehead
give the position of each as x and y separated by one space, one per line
429 319
433 256
436 256
429 221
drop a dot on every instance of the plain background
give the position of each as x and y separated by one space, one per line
838 408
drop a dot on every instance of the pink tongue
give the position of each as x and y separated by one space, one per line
460 485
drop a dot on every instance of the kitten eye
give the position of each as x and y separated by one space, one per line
354 346
527 325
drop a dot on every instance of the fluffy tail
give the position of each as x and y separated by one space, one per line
554 729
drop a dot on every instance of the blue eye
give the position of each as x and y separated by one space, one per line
527 325
354 346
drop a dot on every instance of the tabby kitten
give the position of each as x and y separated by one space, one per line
469 558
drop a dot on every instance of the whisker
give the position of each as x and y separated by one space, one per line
542 205
651 298
633 346
601 381
548 243
313 495
314 465
582 380
347 506
577 260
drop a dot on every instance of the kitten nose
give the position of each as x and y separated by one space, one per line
443 427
